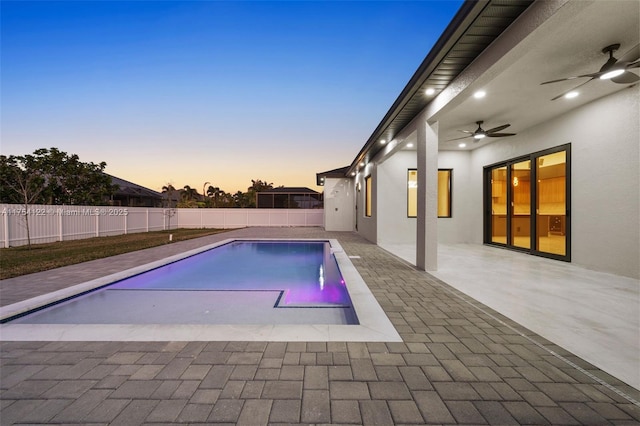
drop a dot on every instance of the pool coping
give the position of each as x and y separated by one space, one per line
374 325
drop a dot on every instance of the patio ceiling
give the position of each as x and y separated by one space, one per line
569 43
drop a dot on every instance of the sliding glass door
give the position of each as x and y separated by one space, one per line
551 203
527 208
498 222
520 185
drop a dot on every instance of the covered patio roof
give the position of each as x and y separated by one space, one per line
482 50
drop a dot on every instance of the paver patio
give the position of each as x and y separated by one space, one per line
460 362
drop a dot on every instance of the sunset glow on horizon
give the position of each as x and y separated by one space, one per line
221 92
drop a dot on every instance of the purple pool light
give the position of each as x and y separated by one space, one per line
305 271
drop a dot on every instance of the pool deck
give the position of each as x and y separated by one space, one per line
459 362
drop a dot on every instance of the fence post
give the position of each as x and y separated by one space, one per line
147 219
97 224
126 224
60 231
6 228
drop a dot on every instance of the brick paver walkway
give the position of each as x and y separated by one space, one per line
460 362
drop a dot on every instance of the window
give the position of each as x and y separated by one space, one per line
444 192
367 192
412 193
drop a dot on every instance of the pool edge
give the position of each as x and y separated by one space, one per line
374 325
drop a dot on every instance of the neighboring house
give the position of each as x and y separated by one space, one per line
133 195
289 198
563 186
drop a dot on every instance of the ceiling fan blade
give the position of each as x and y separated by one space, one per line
592 75
499 135
457 139
497 129
635 64
632 54
626 78
466 131
558 80
571 90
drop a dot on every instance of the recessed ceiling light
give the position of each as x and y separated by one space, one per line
480 94
462 145
430 91
353 173
409 145
571 95
362 164
383 141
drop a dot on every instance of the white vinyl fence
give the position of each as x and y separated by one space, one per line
60 223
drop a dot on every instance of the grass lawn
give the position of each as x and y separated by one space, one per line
15 261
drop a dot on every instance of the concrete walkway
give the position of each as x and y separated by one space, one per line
459 362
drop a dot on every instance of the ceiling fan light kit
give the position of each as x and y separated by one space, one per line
615 70
480 133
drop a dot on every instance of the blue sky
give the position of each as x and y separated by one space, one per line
222 92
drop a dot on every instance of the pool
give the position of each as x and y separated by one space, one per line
272 290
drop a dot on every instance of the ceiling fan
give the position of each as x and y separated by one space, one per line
616 70
480 133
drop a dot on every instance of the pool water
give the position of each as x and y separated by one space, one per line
307 272
238 282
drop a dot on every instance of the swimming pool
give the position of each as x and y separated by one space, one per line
254 278
193 308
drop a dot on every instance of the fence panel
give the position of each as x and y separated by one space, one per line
60 223
258 217
77 223
137 220
189 218
236 218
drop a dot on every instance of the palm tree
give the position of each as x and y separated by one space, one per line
168 189
216 193
189 193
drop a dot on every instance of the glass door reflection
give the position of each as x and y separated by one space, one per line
521 204
499 205
551 203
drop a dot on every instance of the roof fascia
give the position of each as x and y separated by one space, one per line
465 16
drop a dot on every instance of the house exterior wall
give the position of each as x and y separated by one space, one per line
339 204
394 225
457 228
605 199
367 226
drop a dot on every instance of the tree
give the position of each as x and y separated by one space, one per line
51 176
168 190
188 197
65 179
256 186
259 185
215 193
242 200
21 183
70 181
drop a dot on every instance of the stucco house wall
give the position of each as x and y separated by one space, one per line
605 194
339 204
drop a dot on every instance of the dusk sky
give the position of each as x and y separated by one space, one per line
222 92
